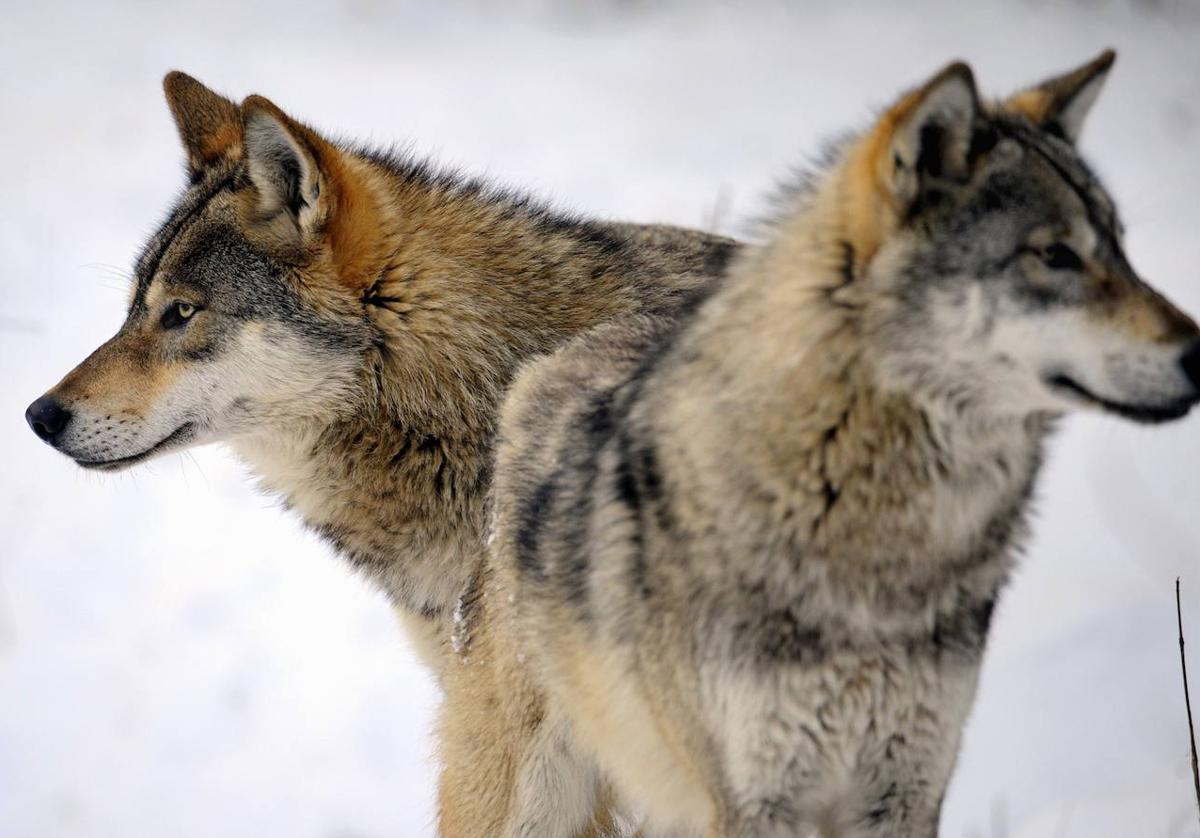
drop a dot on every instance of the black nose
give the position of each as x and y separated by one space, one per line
1191 364
47 418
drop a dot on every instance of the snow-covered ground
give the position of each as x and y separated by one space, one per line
178 658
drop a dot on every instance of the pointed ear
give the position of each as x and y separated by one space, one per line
209 124
1061 104
926 137
283 159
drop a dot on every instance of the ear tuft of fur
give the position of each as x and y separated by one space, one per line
930 134
956 79
1061 104
306 190
209 124
924 137
283 163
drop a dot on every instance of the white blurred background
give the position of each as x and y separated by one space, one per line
178 658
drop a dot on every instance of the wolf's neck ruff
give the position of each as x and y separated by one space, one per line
471 283
944 488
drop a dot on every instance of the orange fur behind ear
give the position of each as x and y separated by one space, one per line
355 226
870 210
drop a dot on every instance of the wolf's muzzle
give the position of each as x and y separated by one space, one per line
47 417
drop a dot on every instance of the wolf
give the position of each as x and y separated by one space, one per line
744 561
346 320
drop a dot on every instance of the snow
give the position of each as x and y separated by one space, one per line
177 657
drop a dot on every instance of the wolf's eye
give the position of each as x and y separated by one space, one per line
1059 257
178 314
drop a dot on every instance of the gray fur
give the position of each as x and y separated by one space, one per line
752 555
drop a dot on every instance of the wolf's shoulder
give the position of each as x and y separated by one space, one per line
560 388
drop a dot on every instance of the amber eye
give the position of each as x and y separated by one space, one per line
1059 257
178 314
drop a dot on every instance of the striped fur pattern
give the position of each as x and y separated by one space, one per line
745 561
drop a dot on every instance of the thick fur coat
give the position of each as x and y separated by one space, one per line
745 561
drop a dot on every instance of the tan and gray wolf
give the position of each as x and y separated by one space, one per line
744 563
347 321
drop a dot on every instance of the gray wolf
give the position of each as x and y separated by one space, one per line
744 562
346 321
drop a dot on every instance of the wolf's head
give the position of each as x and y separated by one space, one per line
246 308
988 260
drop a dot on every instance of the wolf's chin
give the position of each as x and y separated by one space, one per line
1143 413
181 435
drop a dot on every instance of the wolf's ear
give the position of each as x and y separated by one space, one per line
209 124
284 163
1061 104
926 137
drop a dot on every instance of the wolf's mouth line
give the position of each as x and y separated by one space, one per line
179 433
1136 412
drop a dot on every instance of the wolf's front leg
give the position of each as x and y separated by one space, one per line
557 787
901 778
